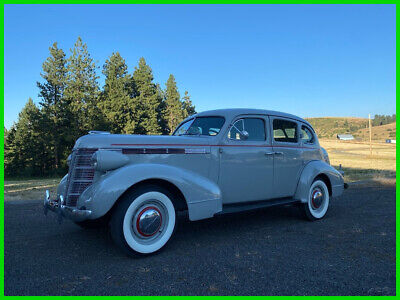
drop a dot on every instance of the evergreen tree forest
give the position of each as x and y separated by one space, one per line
71 103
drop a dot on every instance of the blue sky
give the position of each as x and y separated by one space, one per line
309 60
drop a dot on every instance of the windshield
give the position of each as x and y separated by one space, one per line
208 126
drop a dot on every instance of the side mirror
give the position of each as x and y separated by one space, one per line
244 135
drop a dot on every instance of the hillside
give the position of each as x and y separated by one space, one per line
329 127
382 132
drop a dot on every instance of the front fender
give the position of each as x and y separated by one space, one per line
203 197
312 170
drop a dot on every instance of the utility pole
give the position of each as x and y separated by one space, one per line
370 134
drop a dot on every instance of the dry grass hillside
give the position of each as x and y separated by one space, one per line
379 133
329 127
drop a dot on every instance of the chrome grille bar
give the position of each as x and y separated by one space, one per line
80 175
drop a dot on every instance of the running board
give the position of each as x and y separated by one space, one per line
238 207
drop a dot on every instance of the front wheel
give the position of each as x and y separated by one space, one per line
318 201
144 220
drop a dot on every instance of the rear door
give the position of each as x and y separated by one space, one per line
288 161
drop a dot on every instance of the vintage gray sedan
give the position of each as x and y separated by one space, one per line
215 162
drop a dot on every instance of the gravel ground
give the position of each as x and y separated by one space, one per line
273 251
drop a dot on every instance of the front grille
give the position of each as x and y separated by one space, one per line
80 175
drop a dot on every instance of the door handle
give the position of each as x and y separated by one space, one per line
273 153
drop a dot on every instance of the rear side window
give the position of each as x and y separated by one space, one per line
255 128
306 135
285 131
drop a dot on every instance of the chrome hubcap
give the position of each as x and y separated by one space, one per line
317 198
149 221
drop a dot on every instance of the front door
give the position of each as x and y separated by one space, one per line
288 161
246 163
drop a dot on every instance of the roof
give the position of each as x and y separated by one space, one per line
230 113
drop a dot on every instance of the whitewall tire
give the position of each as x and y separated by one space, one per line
144 220
318 201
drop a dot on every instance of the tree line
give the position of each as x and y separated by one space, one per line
72 103
383 119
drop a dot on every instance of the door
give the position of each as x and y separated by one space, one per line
246 163
288 161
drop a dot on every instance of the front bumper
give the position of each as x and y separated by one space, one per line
57 206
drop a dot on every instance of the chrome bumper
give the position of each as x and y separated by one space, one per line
62 210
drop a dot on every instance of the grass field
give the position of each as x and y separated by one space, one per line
357 162
27 189
355 159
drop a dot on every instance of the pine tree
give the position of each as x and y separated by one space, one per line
117 104
11 162
161 110
173 106
82 90
55 108
25 143
147 99
188 107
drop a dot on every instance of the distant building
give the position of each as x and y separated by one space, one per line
345 137
391 141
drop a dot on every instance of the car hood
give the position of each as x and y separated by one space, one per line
131 140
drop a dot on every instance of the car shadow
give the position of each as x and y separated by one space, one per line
227 226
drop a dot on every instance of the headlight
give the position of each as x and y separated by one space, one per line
106 160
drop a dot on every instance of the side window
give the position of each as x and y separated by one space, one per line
307 136
255 127
285 131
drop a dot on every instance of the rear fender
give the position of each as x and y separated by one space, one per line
310 172
203 197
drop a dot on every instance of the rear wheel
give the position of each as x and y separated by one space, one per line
318 201
144 220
